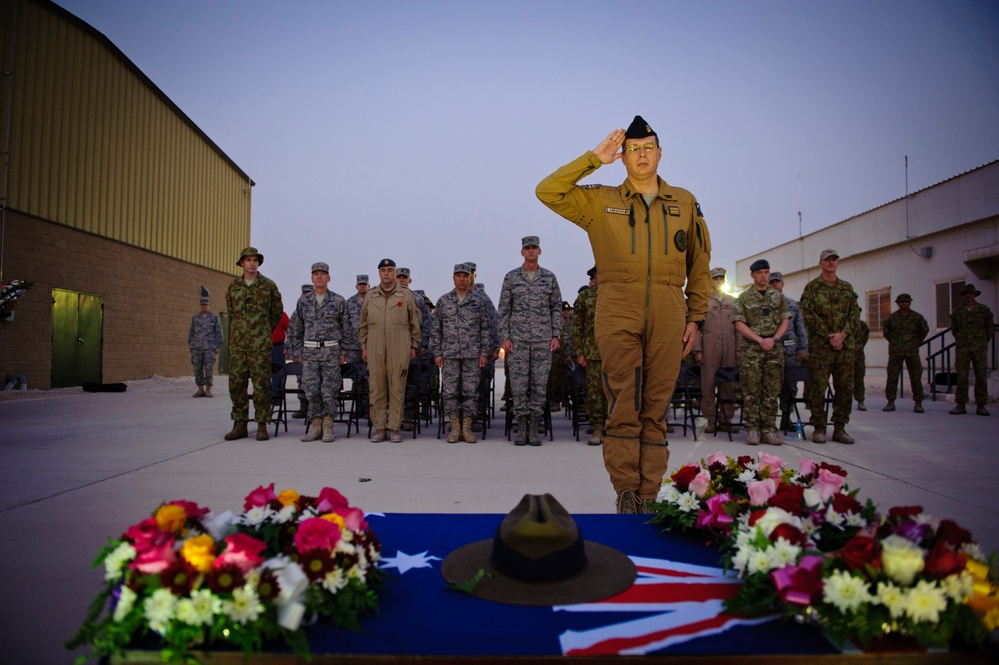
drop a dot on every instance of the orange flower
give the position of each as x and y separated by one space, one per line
199 552
171 518
287 497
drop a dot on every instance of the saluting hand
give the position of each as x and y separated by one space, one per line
609 149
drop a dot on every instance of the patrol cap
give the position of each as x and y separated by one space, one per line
306 288
828 253
319 265
639 129
471 264
204 301
718 272
592 272
402 272
479 286
250 251
362 279
386 263
462 267
903 297
530 241
777 276
970 288
759 264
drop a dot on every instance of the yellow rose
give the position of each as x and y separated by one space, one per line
335 519
171 518
287 497
901 559
199 552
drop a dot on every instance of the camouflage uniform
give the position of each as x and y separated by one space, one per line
794 341
584 344
530 315
354 304
254 311
327 324
487 373
972 329
556 376
205 339
460 335
717 345
860 361
905 332
761 373
830 308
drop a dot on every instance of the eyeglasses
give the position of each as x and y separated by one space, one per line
645 147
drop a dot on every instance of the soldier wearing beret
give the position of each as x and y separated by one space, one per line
205 340
905 329
649 240
717 346
253 303
973 327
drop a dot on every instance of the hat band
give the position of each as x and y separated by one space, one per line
555 566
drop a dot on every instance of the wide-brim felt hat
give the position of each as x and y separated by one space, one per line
250 251
970 288
539 557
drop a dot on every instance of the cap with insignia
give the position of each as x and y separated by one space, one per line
530 241
306 288
903 297
386 263
362 279
828 254
402 272
462 267
718 272
777 276
566 306
319 265
639 129
759 264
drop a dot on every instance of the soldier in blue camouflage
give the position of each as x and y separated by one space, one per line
761 316
488 373
973 327
253 303
205 340
530 311
860 364
290 352
461 343
795 345
319 334
905 329
423 361
587 354
354 304
831 312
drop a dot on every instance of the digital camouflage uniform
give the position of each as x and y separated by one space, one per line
556 376
794 341
327 324
584 344
830 308
718 345
487 373
972 330
254 311
860 361
530 315
205 339
354 304
460 335
761 373
905 332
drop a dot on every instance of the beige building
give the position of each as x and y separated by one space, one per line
928 245
112 201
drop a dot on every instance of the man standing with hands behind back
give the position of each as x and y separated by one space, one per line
649 239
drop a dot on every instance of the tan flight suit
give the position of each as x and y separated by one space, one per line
717 342
644 255
389 329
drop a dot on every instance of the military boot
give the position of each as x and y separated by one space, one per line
455 432
520 438
238 431
890 406
819 435
208 391
918 408
861 406
466 431
839 434
958 410
981 410
533 438
627 502
771 438
262 434
752 437
200 393
315 430
328 435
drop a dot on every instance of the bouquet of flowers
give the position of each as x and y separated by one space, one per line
804 545
11 291
196 579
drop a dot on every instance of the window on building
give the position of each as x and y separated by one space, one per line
947 300
878 308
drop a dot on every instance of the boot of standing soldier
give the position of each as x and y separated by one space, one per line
520 438
890 406
533 424
315 430
328 435
208 391
262 434
455 432
200 393
238 431
466 431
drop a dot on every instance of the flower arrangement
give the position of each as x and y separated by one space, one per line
196 579
10 292
805 546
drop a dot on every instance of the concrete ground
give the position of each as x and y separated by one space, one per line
80 467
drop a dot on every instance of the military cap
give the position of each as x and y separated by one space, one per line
319 265
592 272
529 241
250 251
970 288
362 279
759 264
828 253
639 129
777 276
903 297
307 287
205 293
204 301
479 286
402 272
471 264
718 272
386 263
566 305
462 267
582 288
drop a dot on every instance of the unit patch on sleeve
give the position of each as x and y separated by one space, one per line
680 240
590 186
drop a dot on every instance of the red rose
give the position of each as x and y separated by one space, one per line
844 503
790 498
756 515
943 561
744 460
951 533
791 534
316 533
832 468
904 511
683 477
861 551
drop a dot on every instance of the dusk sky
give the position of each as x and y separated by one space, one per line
419 130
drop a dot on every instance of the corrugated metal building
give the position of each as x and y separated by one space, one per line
112 201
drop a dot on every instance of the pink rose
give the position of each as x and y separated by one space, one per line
715 518
828 483
329 499
774 463
353 518
259 497
806 467
314 533
699 485
760 491
241 551
717 458
146 534
156 558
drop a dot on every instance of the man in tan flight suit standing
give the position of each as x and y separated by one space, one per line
717 347
648 239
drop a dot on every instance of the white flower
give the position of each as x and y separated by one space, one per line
747 476
901 559
159 609
668 493
833 518
892 597
759 562
973 550
245 605
218 526
845 591
783 553
285 514
926 602
959 587
256 516
115 562
854 519
812 497
741 560
775 516
357 573
334 580
126 601
688 502
199 609
344 545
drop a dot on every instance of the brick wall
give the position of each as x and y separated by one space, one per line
148 301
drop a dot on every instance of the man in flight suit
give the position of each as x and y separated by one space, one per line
648 239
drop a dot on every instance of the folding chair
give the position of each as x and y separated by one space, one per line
353 399
728 377
686 397
279 398
576 381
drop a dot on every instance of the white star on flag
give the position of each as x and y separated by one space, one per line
406 562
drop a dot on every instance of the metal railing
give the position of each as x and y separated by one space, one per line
939 367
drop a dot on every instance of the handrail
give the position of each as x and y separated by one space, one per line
943 355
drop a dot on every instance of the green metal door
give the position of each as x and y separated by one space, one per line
77 336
